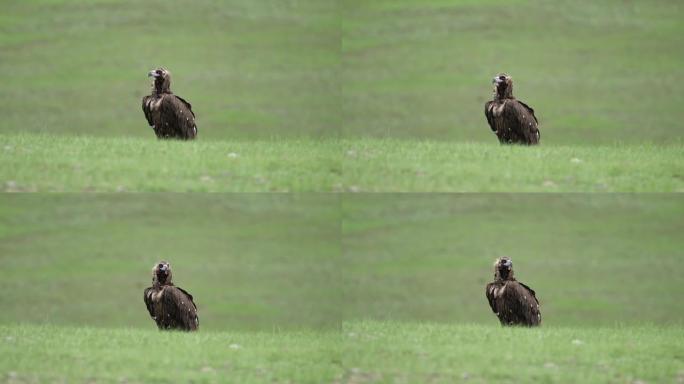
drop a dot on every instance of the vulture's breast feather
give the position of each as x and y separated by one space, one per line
497 108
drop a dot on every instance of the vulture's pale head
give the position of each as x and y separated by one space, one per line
162 80
503 268
503 85
161 273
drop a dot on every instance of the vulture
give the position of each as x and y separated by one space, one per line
513 302
170 306
170 116
511 120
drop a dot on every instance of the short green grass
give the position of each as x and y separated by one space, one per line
250 69
595 72
365 352
252 261
46 163
69 354
390 352
593 259
293 261
431 166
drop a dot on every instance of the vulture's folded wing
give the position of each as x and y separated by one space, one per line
179 307
489 292
176 112
147 297
146 107
531 291
524 302
520 117
529 110
518 114
188 105
189 296
490 115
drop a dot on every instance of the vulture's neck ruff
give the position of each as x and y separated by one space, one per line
504 274
162 85
504 90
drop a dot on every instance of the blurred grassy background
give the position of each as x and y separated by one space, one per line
252 262
263 261
593 259
595 72
249 68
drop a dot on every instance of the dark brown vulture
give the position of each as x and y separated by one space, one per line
171 307
169 115
513 302
512 120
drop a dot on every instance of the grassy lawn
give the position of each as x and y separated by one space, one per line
292 261
595 72
49 354
366 352
250 69
593 259
252 262
431 166
45 163
390 352
338 136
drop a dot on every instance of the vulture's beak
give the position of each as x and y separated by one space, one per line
507 263
152 73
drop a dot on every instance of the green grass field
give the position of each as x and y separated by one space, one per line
250 69
317 102
125 355
283 83
432 166
594 259
390 352
366 352
48 163
253 262
595 72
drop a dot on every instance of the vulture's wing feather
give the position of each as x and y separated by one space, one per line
188 295
529 110
490 115
176 113
179 307
521 118
522 302
534 295
186 104
147 296
147 110
489 291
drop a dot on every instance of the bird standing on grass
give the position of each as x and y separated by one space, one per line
511 120
171 307
513 302
170 116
